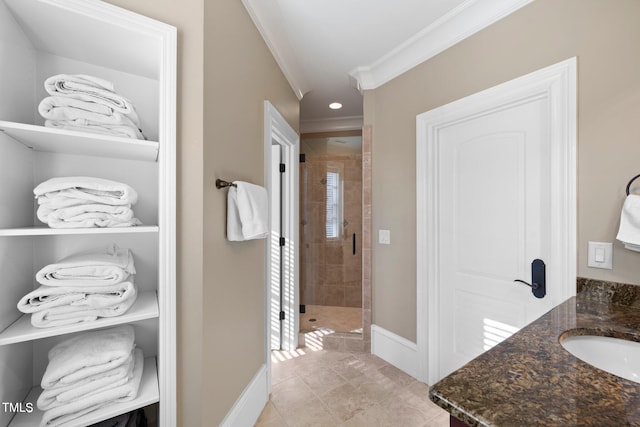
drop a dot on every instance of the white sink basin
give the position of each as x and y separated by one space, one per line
617 356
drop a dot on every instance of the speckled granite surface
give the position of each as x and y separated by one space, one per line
531 380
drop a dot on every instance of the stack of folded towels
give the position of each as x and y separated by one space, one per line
89 104
83 202
82 288
90 371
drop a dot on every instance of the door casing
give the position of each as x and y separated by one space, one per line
278 131
556 85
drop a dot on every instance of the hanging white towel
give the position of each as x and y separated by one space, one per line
247 212
629 232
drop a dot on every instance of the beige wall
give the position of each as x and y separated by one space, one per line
240 73
604 35
225 72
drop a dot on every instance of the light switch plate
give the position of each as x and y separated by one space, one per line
600 255
384 237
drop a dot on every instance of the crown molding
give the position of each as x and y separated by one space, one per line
267 20
460 23
331 124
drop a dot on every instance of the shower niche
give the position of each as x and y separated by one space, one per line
38 39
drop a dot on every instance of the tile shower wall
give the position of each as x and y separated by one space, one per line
331 274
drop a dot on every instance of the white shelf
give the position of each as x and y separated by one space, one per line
148 394
47 231
40 138
145 307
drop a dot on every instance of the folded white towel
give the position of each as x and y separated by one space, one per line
89 269
75 409
629 231
57 107
91 189
75 313
76 298
80 125
90 89
86 354
65 108
57 396
247 212
88 215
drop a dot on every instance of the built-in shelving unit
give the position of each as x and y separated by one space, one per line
40 38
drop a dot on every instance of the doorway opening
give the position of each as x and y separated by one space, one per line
331 231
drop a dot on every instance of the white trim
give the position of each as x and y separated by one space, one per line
265 17
557 85
247 409
167 159
398 351
460 23
277 130
331 124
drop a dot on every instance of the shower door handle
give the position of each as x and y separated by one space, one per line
354 243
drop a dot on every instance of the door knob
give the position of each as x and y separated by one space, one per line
538 279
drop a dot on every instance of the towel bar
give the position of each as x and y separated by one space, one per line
630 182
220 183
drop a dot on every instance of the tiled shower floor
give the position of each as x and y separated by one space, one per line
331 319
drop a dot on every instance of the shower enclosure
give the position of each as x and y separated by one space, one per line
331 233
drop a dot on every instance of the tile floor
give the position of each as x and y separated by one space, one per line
321 388
336 319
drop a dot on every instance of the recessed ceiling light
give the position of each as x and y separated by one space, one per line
335 106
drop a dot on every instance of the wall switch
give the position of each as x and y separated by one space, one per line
384 237
600 255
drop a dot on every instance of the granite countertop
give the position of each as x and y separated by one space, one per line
531 380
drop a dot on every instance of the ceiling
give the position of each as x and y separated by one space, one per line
332 50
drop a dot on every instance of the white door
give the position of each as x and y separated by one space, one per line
493 204
498 177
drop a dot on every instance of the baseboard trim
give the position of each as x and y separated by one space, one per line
394 349
249 406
